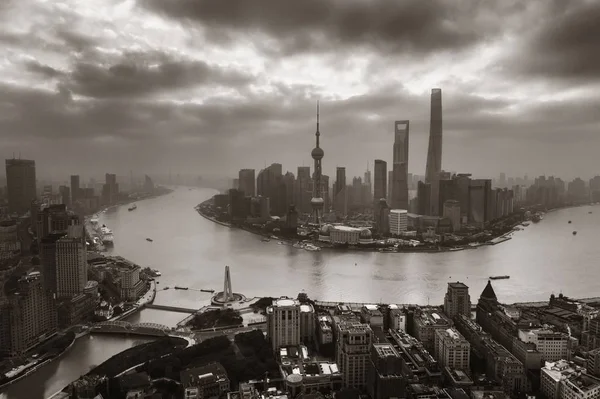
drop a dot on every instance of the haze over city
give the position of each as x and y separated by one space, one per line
189 85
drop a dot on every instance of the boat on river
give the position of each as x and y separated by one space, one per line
132 207
149 239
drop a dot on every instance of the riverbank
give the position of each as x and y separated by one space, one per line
391 245
39 364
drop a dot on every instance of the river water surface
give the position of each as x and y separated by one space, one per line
192 252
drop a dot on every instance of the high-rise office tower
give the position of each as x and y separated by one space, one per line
400 168
247 183
434 152
457 300
423 198
283 323
27 315
75 188
317 201
53 219
390 178
303 190
340 197
380 189
269 183
110 189
71 263
20 184
353 345
65 194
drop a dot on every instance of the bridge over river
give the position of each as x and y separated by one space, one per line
147 329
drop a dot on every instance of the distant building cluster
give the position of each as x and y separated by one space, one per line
392 202
44 266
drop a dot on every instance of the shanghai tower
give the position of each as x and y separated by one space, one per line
434 152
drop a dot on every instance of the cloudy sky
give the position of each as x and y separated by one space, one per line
213 86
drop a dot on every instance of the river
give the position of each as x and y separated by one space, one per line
191 251
86 353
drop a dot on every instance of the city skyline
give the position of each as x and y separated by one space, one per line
98 78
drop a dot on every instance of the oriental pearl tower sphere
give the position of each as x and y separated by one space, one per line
317 200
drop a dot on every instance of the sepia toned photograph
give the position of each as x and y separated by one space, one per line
300 199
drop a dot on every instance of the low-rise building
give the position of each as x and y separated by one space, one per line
371 315
552 345
426 322
419 365
302 374
457 378
397 317
452 349
324 330
205 381
593 362
552 374
580 386
345 235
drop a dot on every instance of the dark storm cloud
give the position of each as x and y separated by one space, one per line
565 44
43 70
140 74
317 25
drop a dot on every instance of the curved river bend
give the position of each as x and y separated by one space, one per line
191 251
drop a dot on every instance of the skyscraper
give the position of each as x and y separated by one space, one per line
317 200
20 184
380 189
110 189
400 168
71 263
457 300
340 198
247 183
75 188
434 152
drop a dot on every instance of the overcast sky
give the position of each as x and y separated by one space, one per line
214 86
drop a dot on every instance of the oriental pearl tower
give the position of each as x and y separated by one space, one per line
317 200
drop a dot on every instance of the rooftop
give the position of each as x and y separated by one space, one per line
346 228
451 334
306 309
458 284
560 369
385 350
285 302
488 292
212 371
399 211
432 317
583 382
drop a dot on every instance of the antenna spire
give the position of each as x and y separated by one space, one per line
318 117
